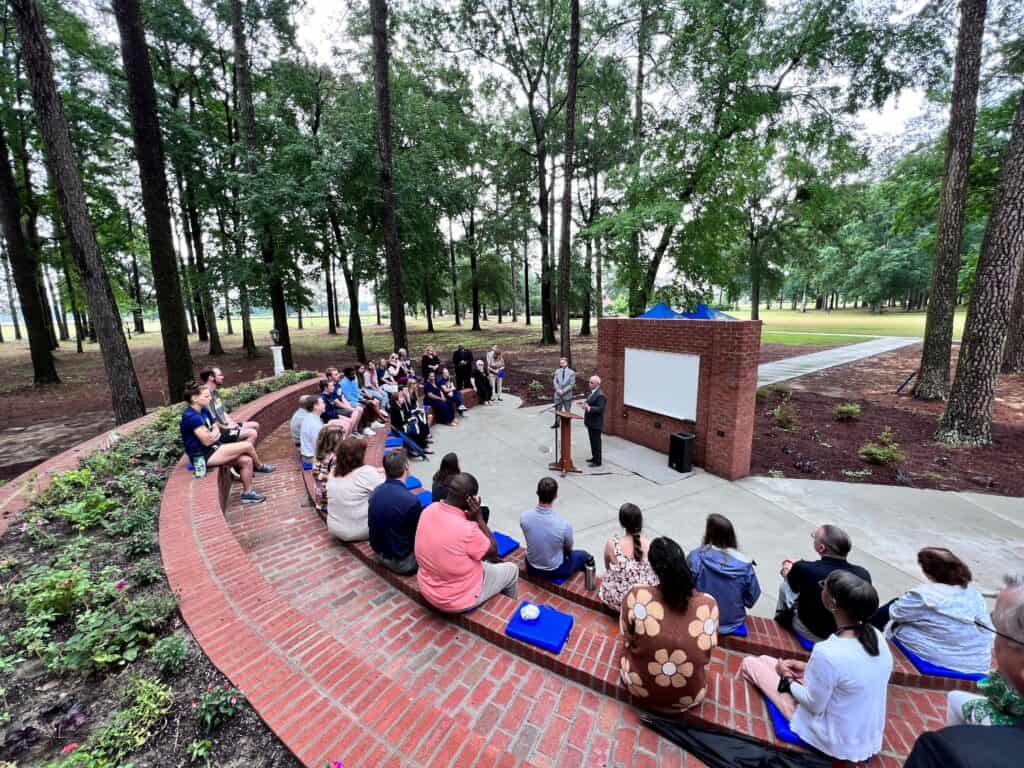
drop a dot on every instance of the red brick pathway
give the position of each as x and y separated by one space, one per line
519 707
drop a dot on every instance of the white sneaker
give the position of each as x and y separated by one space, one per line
369 432
377 424
356 436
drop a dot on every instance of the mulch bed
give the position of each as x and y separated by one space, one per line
822 448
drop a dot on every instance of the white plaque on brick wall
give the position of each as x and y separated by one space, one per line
661 382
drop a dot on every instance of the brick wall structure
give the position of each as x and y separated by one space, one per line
729 353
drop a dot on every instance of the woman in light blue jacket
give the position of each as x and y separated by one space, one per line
725 573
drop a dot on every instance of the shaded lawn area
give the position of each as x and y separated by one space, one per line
892 322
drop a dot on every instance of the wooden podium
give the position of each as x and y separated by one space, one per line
563 457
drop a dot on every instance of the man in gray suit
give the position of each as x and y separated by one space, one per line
593 419
565 380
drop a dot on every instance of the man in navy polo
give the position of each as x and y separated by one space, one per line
394 514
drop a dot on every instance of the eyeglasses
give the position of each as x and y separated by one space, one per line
996 632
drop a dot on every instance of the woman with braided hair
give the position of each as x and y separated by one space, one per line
625 559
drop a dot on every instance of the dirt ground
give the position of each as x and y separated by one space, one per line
823 448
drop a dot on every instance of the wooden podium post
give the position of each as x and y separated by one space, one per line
564 462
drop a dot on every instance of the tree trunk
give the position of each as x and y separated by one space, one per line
565 252
455 282
334 280
66 266
1013 356
512 272
202 283
547 333
189 306
968 416
195 300
263 225
10 291
376 299
396 301
474 278
56 305
126 395
599 286
299 310
933 375
526 275
245 308
638 124
587 297
755 281
355 322
137 319
325 266
227 309
149 153
428 307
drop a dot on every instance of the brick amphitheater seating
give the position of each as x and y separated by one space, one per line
295 674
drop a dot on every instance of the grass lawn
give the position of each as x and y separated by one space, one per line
809 339
892 323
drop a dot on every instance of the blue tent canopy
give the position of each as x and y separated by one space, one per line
704 312
661 311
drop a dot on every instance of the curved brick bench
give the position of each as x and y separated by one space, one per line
765 636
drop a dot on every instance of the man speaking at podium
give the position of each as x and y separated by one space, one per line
593 419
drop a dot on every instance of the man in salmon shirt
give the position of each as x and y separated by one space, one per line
452 544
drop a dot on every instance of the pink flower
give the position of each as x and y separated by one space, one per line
336 764
226 686
120 585
234 700
69 748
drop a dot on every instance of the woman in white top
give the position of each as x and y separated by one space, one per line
935 620
348 492
836 700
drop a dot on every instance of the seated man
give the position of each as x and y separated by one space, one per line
295 425
962 744
549 552
357 410
452 543
334 413
800 607
231 430
393 516
309 429
354 394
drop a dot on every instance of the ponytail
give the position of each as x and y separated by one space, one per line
632 521
858 599
638 547
867 636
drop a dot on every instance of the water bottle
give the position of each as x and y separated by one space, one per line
199 462
590 574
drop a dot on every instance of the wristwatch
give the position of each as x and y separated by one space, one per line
784 684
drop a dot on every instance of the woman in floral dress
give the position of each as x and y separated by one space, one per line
668 633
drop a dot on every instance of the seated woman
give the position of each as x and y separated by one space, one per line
396 371
408 430
348 492
449 468
482 384
725 573
326 446
447 386
668 632
369 385
935 620
625 559
439 404
201 436
836 700
384 376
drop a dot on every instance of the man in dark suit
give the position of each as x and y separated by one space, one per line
462 361
593 419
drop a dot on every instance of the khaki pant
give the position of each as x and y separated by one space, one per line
498 577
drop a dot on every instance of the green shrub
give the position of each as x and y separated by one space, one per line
885 452
846 412
199 749
535 388
50 593
218 705
87 511
782 390
169 655
786 415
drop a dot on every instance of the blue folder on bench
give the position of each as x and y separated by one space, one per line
740 631
506 544
413 483
927 668
781 725
549 631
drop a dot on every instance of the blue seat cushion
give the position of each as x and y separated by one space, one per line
306 467
425 498
927 668
781 725
412 482
549 631
807 644
393 442
506 544
740 631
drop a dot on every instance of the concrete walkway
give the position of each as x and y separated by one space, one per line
792 367
508 449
